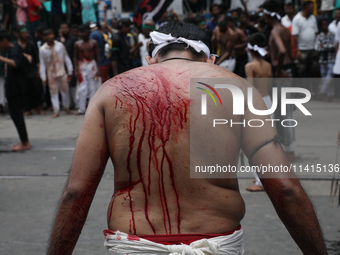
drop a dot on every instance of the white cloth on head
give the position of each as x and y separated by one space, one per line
260 50
161 40
120 244
272 14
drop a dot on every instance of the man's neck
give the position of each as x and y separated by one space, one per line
50 43
305 14
177 55
23 42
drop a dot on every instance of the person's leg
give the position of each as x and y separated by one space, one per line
65 97
104 72
82 95
330 89
54 94
14 107
92 83
323 73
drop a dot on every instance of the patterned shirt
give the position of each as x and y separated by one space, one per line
325 45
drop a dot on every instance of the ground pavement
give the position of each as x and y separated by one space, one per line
31 183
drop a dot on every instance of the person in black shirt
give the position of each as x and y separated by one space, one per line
120 48
32 91
16 60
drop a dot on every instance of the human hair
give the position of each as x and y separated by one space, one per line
257 39
290 5
64 23
187 31
41 28
84 28
271 6
48 31
214 5
306 4
322 20
4 35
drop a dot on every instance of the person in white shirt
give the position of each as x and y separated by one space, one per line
144 39
287 20
332 27
304 30
53 57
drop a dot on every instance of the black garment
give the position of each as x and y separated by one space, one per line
32 89
31 70
69 42
120 52
76 13
15 79
15 111
7 10
13 85
250 30
241 61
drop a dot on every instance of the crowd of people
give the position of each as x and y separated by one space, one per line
70 60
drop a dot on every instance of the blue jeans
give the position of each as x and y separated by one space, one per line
326 71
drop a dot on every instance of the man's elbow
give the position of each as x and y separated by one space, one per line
284 190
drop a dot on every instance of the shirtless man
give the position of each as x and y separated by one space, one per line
139 119
280 53
233 42
255 70
224 37
87 65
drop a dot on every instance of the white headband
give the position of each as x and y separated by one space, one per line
272 14
261 51
161 40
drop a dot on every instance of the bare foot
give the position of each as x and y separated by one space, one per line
41 112
27 113
55 115
68 111
80 113
21 146
255 188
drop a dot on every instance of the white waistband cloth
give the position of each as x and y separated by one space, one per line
122 244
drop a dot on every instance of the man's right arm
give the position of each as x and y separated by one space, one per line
88 165
288 197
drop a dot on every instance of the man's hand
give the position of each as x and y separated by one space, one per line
69 78
43 82
339 138
29 57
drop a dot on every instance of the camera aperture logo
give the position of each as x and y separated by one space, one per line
239 104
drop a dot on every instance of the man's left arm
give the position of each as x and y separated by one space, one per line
283 188
89 161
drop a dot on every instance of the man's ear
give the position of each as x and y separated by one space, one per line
211 60
151 60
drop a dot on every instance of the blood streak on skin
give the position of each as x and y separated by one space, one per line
133 238
155 112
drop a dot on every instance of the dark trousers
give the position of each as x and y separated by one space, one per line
241 61
33 94
15 111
